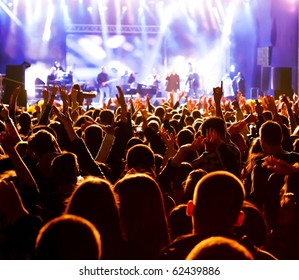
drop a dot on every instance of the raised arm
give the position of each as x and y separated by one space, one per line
45 116
85 159
122 102
217 94
9 138
13 103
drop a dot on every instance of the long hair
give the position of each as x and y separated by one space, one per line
94 200
143 215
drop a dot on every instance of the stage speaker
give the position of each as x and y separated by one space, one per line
265 78
15 76
281 81
281 78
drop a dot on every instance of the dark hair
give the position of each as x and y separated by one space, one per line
215 123
68 237
95 201
106 117
254 225
179 222
140 155
219 248
143 214
190 184
218 199
93 136
271 133
65 168
42 142
185 136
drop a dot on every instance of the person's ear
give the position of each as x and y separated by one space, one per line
126 167
190 208
240 219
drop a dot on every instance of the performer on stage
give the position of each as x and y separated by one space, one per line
51 78
239 84
103 86
173 83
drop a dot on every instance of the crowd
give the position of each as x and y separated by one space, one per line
205 178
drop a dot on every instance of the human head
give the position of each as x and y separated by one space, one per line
65 168
185 136
143 215
190 183
68 237
106 117
95 201
217 203
179 222
93 136
254 225
141 157
219 248
214 123
160 112
270 136
42 142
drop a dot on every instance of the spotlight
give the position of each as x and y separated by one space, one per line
89 9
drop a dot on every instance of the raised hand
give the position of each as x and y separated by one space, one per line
217 94
46 94
63 94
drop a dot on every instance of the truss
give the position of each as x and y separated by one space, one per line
121 29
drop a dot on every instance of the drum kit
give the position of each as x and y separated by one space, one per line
63 78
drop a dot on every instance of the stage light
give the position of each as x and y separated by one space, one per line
47 29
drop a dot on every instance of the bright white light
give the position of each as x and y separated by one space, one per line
47 30
11 15
233 68
89 9
115 42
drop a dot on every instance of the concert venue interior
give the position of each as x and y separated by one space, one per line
217 37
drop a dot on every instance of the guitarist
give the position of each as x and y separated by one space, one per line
103 86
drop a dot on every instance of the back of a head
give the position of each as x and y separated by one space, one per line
95 201
42 142
271 133
190 183
160 112
218 199
106 117
254 226
68 237
219 248
140 156
143 214
133 141
179 222
215 123
185 136
267 115
65 168
25 119
93 136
